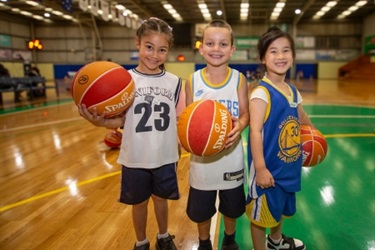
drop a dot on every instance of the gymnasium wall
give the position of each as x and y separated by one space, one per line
67 48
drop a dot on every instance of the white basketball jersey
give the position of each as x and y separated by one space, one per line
150 132
224 170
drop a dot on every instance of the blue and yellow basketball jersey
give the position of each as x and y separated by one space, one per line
281 141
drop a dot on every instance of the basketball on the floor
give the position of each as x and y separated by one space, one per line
314 146
113 138
105 85
203 127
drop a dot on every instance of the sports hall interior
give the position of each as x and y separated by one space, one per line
60 183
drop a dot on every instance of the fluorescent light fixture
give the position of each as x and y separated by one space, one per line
57 13
325 9
331 3
26 13
37 17
245 5
277 10
32 3
361 3
171 10
351 9
120 7
244 10
204 10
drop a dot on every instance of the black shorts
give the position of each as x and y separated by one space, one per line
201 203
137 184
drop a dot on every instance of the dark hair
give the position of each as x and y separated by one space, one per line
220 24
154 24
269 37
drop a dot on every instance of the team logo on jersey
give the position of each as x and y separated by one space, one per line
199 92
289 140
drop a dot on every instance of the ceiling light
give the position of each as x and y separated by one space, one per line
331 3
325 9
277 10
26 13
244 5
32 3
120 7
351 9
297 11
204 10
361 3
219 12
171 11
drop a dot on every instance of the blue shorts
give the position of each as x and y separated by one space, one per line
201 203
138 184
266 211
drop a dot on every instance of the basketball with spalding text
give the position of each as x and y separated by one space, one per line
104 85
203 127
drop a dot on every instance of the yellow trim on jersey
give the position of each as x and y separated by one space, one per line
268 109
191 83
242 78
223 83
289 98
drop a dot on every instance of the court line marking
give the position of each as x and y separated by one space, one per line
56 191
40 125
63 102
66 188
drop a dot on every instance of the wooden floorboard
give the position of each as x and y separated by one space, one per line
59 183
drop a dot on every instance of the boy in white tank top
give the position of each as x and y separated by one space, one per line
222 173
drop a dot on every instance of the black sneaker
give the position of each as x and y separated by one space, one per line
232 246
142 247
165 243
285 243
204 248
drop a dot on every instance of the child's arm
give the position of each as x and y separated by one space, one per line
243 120
100 120
303 118
258 107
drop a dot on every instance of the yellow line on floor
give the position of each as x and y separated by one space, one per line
37 197
348 135
66 188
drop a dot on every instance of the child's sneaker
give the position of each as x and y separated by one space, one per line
165 243
232 246
285 243
142 247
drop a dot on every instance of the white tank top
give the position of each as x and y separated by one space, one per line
150 132
224 170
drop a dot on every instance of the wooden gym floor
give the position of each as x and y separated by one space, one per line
59 183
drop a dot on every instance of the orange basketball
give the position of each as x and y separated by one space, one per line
113 138
314 146
203 127
105 85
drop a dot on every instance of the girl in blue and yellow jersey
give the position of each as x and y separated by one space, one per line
275 154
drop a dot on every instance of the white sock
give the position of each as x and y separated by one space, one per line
141 243
162 236
276 241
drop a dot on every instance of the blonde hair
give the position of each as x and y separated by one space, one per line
219 23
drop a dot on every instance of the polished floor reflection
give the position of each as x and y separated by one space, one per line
59 183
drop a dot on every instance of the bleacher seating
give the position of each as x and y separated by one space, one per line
35 86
